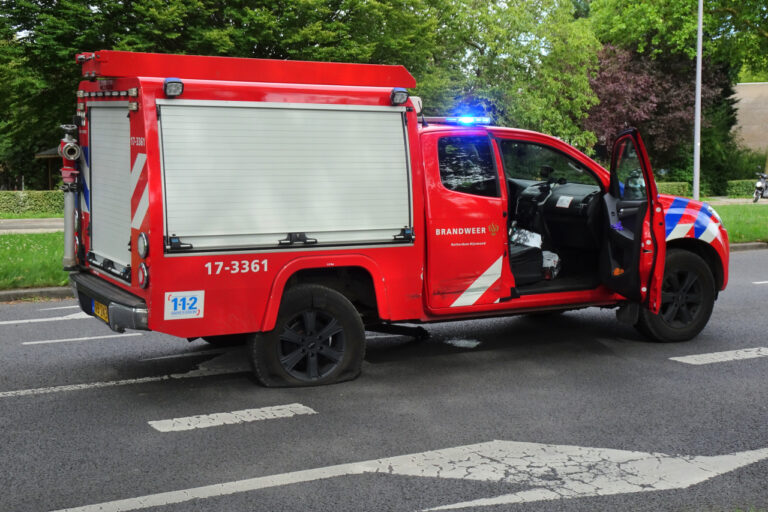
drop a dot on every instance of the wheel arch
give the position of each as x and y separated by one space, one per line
706 252
356 277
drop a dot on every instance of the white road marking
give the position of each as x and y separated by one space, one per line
759 282
230 418
44 342
74 316
189 354
222 365
550 472
63 307
457 342
722 357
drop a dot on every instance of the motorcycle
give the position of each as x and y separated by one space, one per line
761 189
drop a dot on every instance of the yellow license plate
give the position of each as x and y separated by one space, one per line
101 311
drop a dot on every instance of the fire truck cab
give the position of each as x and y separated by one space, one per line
293 205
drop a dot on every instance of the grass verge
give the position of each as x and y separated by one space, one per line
745 222
38 215
31 260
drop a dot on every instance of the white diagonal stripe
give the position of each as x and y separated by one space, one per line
710 233
480 286
722 357
84 175
141 209
230 418
679 231
138 165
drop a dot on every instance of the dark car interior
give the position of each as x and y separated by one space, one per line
558 199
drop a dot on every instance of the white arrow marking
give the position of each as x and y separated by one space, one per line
550 471
73 316
759 282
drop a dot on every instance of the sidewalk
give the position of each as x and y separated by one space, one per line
19 226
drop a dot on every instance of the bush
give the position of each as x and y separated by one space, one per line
675 188
740 188
32 201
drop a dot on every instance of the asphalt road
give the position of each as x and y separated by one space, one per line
573 413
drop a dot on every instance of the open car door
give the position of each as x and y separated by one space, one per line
632 257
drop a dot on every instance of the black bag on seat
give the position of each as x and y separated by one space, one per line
526 264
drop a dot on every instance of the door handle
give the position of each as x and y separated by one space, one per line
626 212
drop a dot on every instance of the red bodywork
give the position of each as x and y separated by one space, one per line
420 281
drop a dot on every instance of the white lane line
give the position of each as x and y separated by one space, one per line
63 307
722 357
222 365
546 472
73 316
189 354
230 418
759 282
44 342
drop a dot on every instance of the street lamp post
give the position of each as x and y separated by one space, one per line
697 108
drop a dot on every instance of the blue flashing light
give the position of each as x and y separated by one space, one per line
468 120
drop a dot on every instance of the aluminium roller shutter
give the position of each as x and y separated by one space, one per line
247 173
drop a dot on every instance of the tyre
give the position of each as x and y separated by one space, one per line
227 340
687 298
318 339
757 195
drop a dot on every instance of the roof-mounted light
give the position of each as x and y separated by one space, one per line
460 120
468 120
173 87
398 96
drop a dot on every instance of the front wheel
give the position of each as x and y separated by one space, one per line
758 193
318 339
687 298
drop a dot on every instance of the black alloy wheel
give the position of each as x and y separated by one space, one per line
311 345
318 339
687 298
681 297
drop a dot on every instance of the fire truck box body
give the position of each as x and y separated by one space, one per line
208 188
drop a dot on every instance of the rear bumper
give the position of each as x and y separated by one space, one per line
126 311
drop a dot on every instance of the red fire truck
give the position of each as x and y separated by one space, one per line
293 205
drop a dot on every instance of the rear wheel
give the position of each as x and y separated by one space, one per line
318 339
687 298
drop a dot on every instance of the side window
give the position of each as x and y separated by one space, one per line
629 173
466 165
528 161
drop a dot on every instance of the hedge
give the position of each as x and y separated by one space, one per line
740 188
675 188
31 201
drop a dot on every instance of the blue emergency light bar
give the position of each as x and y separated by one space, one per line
460 120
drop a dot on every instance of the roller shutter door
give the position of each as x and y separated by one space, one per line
110 183
247 174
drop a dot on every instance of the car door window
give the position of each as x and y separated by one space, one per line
528 161
629 172
466 165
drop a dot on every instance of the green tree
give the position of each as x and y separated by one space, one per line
527 64
661 34
41 37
